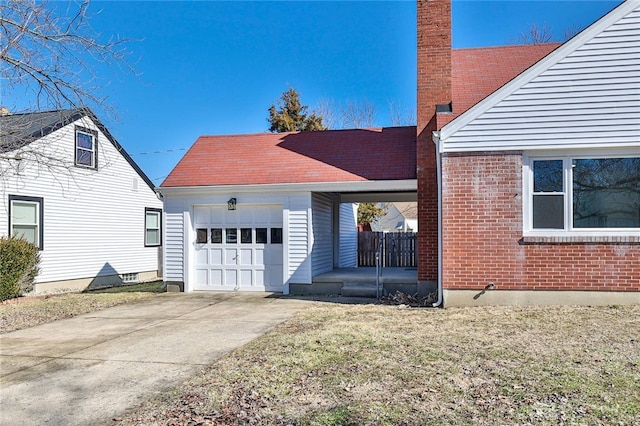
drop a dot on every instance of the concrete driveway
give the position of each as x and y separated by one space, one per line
89 369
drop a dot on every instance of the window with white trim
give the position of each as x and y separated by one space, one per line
26 218
152 227
86 148
583 194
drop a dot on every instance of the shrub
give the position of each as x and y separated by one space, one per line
19 261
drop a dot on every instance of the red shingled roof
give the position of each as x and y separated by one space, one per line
478 72
326 156
346 155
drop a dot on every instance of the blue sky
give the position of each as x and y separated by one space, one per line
215 67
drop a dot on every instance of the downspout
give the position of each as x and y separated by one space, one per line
436 141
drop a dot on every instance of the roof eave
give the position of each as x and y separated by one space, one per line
350 186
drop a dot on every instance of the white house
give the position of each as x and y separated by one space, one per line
68 186
399 217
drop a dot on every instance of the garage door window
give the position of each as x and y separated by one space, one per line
216 235
276 235
261 235
232 235
245 236
201 235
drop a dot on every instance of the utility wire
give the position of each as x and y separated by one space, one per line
162 151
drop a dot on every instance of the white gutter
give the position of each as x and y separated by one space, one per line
436 141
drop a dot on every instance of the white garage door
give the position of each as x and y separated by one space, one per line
238 249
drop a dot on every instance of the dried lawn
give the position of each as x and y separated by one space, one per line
30 311
381 365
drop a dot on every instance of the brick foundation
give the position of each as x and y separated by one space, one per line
483 241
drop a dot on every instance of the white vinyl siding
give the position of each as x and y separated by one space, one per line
588 98
322 250
348 256
94 222
298 240
173 245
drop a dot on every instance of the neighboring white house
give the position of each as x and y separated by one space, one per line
399 217
68 186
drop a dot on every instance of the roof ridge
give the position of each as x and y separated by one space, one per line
68 110
267 133
519 46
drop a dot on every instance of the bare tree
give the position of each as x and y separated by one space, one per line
536 34
326 109
400 116
50 59
571 31
540 34
51 54
358 114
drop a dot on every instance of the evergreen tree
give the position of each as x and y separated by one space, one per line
291 116
370 212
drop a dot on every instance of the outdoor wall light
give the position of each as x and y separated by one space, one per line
231 204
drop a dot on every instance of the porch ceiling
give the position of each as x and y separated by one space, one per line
378 197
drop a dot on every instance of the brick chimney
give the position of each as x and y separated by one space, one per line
434 88
434 58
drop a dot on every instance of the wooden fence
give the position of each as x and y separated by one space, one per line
399 249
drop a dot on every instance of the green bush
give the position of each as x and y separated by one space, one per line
19 261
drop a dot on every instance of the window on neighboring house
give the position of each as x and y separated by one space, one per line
26 218
153 227
582 194
86 148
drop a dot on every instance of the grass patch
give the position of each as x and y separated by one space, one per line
31 311
380 365
148 287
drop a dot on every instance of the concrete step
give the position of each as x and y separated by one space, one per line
359 290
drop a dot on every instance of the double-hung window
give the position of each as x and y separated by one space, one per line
86 148
578 195
152 227
26 218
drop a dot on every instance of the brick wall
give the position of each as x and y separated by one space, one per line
483 242
433 88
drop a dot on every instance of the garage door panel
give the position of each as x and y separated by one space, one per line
216 277
246 257
230 257
231 277
245 215
202 276
236 248
215 256
201 215
201 256
259 253
259 277
246 277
